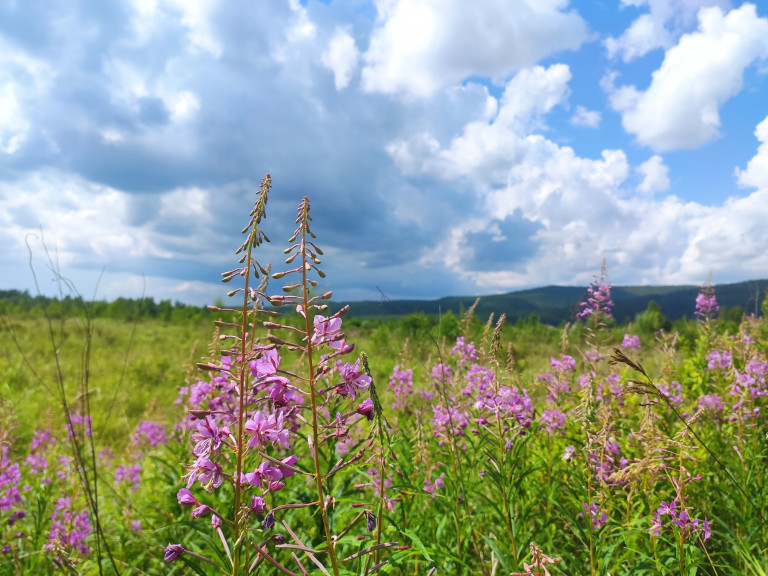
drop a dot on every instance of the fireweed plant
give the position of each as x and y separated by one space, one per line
585 462
526 449
268 437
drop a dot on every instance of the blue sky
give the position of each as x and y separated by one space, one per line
447 147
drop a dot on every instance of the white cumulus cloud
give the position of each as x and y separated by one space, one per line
421 46
584 117
699 74
576 211
756 173
655 175
658 28
13 124
341 58
486 148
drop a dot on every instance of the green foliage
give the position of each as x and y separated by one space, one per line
651 320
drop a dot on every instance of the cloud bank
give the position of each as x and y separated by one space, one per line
447 148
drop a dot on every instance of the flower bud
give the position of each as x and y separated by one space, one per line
173 552
200 511
269 521
215 522
185 498
276 486
258 505
370 520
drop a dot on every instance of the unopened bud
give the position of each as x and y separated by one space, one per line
347 348
185 498
269 521
370 520
200 511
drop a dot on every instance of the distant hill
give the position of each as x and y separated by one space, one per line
552 304
555 304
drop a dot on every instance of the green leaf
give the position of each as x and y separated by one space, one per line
192 563
418 543
500 554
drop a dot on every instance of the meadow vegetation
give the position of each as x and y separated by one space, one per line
306 442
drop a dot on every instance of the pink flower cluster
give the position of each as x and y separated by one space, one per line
682 520
706 304
598 302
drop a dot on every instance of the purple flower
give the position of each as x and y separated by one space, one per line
438 484
465 352
598 519
258 505
598 301
136 525
81 422
655 524
569 452
185 498
366 409
42 439
70 528
706 303
440 374
711 403
326 329
206 471
266 429
173 552
265 471
401 383
631 342
208 438
130 474
553 421
451 420
667 508
282 395
565 364
684 521
215 522
674 392
370 520
289 461
266 365
719 360
37 463
149 434
354 380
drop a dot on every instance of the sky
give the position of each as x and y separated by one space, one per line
447 147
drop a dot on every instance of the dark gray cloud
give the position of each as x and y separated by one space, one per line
505 245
